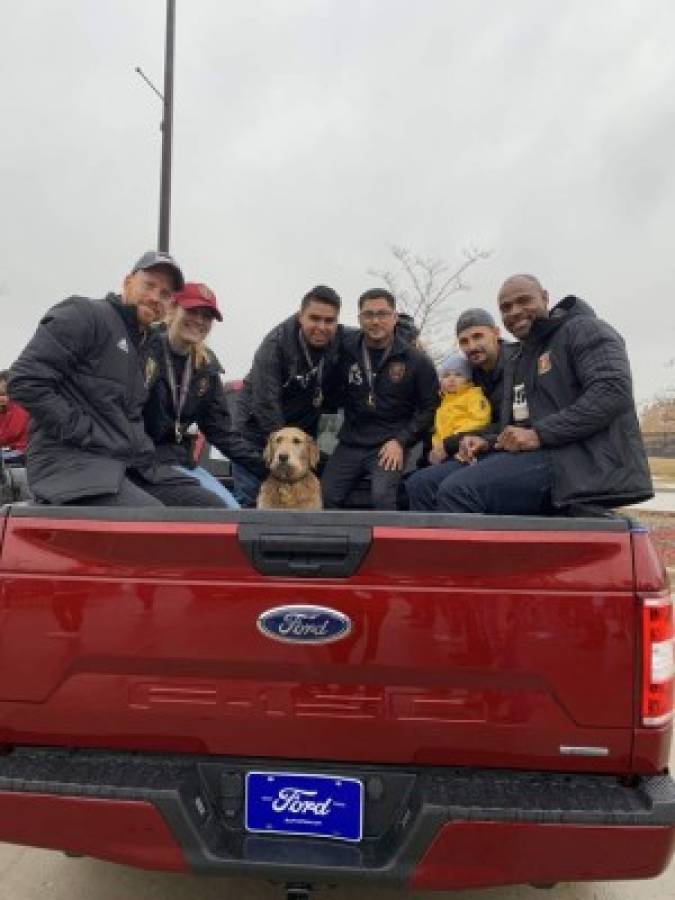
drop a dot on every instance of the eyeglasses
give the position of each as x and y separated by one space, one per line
371 315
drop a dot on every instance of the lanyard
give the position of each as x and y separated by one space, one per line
368 369
179 396
316 370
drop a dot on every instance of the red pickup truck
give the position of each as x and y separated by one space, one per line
428 701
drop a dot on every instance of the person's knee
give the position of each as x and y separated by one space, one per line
419 490
457 493
383 493
414 484
332 498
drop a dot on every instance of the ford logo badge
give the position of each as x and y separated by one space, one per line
299 624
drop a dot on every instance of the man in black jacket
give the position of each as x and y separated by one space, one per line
292 379
569 430
390 392
81 380
478 338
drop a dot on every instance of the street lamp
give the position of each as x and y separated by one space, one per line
166 126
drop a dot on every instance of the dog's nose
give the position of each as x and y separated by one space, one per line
283 457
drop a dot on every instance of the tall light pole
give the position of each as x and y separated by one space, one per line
167 129
166 126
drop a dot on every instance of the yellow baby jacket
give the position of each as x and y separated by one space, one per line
467 409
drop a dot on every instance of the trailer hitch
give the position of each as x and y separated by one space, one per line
298 891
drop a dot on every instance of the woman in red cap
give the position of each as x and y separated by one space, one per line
186 393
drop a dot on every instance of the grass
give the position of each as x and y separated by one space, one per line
662 467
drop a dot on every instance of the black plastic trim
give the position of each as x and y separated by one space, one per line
342 518
405 807
300 551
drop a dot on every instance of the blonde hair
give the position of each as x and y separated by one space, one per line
200 355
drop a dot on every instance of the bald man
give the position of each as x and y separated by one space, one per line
569 431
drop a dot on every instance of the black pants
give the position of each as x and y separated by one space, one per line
346 468
137 492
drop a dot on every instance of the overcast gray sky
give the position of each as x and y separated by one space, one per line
310 134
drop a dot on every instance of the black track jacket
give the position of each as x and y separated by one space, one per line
281 388
406 395
205 406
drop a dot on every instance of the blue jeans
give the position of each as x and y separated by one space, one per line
422 486
500 483
13 457
211 483
246 485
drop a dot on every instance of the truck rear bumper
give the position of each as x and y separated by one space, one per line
437 829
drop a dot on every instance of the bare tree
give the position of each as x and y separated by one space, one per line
659 415
424 288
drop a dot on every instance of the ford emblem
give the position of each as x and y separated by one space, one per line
299 624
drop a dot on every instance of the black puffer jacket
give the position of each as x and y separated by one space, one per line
204 406
281 387
81 380
406 393
580 397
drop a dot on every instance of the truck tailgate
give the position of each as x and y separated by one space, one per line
473 641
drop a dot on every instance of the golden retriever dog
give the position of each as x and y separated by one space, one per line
290 455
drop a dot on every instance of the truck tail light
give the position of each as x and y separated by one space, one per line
658 659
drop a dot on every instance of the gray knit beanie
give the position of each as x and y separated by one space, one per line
472 318
455 362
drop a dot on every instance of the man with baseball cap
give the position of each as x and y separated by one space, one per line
81 380
478 339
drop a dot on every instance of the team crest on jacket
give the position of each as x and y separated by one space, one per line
355 375
544 363
396 371
202 386
150 370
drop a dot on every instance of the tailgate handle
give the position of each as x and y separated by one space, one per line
305 552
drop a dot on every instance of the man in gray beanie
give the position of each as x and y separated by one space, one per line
569 435
486 353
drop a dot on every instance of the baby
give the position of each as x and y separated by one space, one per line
464 407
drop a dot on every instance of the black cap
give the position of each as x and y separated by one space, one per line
472 318
158 258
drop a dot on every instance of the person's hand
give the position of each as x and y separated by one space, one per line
437 454
515 440
469 448
390 456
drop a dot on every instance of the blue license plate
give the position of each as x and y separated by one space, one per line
326 806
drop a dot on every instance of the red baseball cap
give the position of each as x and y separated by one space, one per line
198 296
